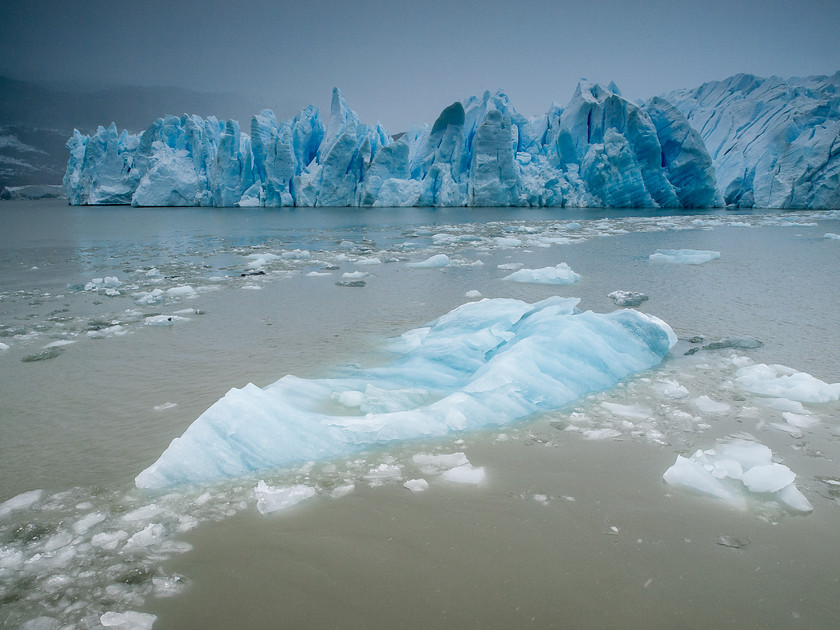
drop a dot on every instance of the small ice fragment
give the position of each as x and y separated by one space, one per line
3 347
130 620
20 502
155 296
627 298
559 274
600 434
354 275
342 491
416 485
684 256
464 474
799 420
472 294
707 405
672 389
152 534
768 478
431 464
831 236
438 260
794 499
627 411
349 398
271 499
732 542
86 522
780 381
165 406
164 320
182 291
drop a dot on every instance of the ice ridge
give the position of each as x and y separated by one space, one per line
486 363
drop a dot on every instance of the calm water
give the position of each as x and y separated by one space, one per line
565 531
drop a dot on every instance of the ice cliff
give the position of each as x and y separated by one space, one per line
775 143
744 142
600 150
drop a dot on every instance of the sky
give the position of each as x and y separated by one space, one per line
401 63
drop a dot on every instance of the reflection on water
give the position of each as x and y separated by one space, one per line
141 319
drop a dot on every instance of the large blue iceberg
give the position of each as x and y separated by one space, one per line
485 363
600 150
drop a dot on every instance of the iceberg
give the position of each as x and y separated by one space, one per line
486 363
600 150
736 470
775 143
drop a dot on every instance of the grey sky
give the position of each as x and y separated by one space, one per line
402 62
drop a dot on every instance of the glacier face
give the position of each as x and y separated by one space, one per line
600 150
485 363
775 143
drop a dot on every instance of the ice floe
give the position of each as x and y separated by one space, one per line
684 256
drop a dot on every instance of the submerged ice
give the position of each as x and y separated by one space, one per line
485 363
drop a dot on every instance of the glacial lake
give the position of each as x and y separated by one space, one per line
120 326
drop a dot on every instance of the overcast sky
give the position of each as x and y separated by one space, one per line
401 62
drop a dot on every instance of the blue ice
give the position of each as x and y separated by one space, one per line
485 363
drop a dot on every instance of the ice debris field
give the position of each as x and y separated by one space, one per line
108 295
85 557
77 557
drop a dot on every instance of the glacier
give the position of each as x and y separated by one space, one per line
600 150
485 363
775 142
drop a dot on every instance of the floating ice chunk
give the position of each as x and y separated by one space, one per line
342 491
130 620
780 381
799 420
627 298
416 485
22 501
355 275
472 294
832 236
464 474
684 256
768 478
150 535
296 254
165 406
671 389
318 274
373 260
734 470
510 266
627 411
184 291
155 296
431 464
109 540
600 434
438 260
559 274
707 405
3 347
486 363
86 522
272 499
258 261
783 404
164 320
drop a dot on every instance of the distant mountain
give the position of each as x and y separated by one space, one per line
37 120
